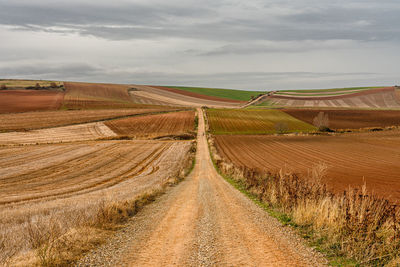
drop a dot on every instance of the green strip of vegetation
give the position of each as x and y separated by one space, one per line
241 95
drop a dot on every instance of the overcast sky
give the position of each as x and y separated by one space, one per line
253 44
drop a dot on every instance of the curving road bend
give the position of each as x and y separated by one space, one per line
203 221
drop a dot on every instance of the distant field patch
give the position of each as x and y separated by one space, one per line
12 101
350 119
317 91
254 121
100 96
240 95
173 123
11 83
37 120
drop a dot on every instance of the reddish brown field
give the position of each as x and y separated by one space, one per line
351 158
350 119
207 97
174 123
97 96
12 101
45 119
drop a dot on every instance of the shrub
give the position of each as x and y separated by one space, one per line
53 85
3 87
321 120
281 127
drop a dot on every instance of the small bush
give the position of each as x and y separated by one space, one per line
53 85
3 87
281 127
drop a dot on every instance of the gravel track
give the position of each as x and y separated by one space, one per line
203 221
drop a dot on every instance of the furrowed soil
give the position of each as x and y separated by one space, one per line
174 123
65 186
350 119
12 101
97 96
203 221
352 159
37 120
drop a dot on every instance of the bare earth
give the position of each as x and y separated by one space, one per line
203 221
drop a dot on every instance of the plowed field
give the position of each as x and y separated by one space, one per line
95 95
174 123
253 121
351 158
350 119
12 101
45 119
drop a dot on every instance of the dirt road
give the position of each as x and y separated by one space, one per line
203 221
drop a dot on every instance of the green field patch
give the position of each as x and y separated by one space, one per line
254 121
223 93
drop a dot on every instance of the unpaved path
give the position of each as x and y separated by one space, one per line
203 221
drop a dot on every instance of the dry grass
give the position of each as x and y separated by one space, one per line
354 223
58 232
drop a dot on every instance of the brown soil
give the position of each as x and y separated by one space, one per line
203 222
196 95
351 158
174 123
350 119
178 99
96 95
12 101
46 119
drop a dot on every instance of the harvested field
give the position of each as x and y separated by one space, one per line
12 101
373 98
79 132
198 95
350 119
175 99
38 120
254 121
97 96
64 187
174 123
351 158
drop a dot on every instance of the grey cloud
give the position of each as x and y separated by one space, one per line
207 22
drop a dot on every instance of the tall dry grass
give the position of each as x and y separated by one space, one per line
354 224
59 232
